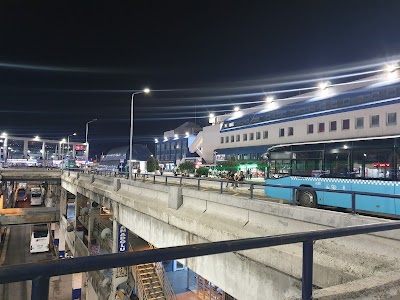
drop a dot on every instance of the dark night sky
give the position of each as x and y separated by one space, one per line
63 66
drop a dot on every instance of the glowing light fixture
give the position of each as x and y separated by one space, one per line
237 108
187 133
146 90
392 67
176 136
156 140
63 141
37 138
4 134
345 147
269 99
324 85
211 115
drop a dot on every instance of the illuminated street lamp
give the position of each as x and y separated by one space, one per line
236 108
324 85
145 91
269 99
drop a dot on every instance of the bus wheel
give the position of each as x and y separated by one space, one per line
308 199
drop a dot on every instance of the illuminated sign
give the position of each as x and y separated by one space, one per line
381 165
122 238
79 147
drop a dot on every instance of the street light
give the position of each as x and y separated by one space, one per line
86 143
68 142
145 91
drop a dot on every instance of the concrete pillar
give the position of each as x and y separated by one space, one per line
87 152
77 286
25 151
5 149
63 202
44 151
92 215
73 151
175 198
120 244
116 184
61 242
53 229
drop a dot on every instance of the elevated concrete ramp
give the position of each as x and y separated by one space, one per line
30 174
171 216
19 216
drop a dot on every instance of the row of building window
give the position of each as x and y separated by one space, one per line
307 108
391 119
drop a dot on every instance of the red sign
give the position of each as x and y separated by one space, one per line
381 165
79 147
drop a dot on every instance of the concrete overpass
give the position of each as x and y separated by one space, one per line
172 215
30 174
20 216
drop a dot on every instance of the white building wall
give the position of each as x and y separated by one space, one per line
212 136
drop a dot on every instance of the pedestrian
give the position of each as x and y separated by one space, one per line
247 174
138 172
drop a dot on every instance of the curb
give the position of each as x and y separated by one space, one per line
5 246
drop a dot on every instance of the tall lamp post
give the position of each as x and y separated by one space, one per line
145 91
68 142
86 141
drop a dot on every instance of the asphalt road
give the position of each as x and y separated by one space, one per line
18 253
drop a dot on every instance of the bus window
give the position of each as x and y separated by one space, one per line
40 238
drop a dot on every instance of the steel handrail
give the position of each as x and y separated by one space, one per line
251 185
164 280
41 272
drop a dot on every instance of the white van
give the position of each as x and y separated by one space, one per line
40 238
36 196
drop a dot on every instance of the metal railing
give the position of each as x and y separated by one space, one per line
165 179
41 272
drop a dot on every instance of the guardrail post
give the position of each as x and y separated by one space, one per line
144 177
40 288
198 184
180 181
306 285
294 200
166 180
154 179
221 187
251 191
353 203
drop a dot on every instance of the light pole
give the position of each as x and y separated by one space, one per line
145 91
86 142
68 142
62 142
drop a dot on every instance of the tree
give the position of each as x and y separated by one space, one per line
202 171
229 165
187 166
152 164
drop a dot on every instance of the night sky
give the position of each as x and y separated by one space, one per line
61 66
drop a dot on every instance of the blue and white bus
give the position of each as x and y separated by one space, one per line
360 164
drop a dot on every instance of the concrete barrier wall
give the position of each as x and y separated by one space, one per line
145 209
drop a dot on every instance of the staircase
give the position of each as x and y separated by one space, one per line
148 283
151 281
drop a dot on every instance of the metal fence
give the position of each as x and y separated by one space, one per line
251 185
41 272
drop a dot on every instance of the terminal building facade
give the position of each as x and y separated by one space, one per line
173 148
363 108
